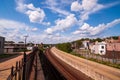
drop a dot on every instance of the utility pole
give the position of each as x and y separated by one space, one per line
25 42
24 61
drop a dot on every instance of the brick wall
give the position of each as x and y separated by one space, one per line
113 46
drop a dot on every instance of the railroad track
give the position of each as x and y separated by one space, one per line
50 72
66 70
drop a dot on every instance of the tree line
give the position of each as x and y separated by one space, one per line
67 47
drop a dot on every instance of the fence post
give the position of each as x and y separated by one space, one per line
36 66
24 67
19 73
12 68
16 70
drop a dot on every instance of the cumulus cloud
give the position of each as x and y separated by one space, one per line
36 15
62 24
87 7
14 30
88 30
75 6
81 9
49 31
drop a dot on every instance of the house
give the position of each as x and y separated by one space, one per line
113 45
2 40
98 48
111 40
86 44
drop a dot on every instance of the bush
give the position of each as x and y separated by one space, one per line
64 47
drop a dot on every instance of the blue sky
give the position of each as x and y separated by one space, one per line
54 21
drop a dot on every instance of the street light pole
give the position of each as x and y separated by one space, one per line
24 61
25 43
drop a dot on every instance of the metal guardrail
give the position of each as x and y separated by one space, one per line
23 68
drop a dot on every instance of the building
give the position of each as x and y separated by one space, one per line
113 45
86 44
111 40
98 48
14 47
2 40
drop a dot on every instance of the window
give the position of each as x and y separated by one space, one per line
101 51
102 47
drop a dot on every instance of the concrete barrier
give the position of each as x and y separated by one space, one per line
94 70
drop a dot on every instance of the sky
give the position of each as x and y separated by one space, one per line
57 21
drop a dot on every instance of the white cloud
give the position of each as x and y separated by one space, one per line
82 8
49 31
56 7
86 7
13 30
88 30
75 6
36 15
60 11
34 29
89 4
51 2
21 7
63 24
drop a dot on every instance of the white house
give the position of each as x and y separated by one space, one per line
99 48
29 48
86 44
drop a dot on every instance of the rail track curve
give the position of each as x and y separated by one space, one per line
65 69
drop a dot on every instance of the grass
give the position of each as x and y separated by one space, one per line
6 55
98 61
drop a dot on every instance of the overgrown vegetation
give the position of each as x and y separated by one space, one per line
64 47
67 47
114 37
98 61
78 43
6 55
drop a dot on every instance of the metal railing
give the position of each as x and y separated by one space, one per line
23 68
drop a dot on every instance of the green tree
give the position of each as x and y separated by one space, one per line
78 43
99 39
64 47
115 37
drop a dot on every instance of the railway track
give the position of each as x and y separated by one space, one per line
50 72
66 70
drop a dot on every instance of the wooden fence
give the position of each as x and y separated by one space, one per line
23 68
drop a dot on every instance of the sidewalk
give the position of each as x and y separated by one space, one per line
5 67
40 75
